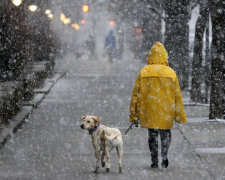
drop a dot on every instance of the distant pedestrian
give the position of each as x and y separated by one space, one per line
156 102
110 45
90 44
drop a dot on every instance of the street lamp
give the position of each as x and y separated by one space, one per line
83 21
67 21
85 8
62 17
111 22
17 2
33 7
50 16
47 12
76 26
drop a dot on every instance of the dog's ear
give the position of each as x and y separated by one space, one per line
82 117
97 120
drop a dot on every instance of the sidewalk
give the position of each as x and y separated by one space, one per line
51 144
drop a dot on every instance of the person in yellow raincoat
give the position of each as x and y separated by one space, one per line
156 102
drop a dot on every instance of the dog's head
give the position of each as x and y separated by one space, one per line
90 122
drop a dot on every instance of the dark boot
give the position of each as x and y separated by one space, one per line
165 135
154 165
165 163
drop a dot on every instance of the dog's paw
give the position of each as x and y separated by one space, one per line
95 170
120 170
103 164
107 170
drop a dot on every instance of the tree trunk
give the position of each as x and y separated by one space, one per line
176 40
197 69
216 96
207 68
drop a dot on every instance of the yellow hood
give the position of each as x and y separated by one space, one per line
158 55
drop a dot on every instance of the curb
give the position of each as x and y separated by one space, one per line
196 154
15 124
35 101
27 109
203 119
195 104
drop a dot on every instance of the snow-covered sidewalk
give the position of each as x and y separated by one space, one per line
51 144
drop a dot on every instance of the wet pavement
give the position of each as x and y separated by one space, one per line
51 145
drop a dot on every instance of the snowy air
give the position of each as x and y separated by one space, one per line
112 89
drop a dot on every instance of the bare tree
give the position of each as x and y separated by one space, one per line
176 40
197 69
217 11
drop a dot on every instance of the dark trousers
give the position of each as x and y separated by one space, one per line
165 136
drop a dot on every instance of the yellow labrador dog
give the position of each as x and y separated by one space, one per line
104 139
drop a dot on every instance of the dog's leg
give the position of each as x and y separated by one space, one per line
98 157
107 160
102 138
103 158
120 155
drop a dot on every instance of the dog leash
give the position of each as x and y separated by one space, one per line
130 127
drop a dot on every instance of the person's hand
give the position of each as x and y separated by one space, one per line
136 122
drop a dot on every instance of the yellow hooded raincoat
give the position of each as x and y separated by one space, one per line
156 98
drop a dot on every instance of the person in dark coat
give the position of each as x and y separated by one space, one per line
110 45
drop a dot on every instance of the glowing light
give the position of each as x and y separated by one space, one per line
47 12
82 21
33 8
111 22
50 16
138 30
85 8
17 2
62 17
67 21
76 26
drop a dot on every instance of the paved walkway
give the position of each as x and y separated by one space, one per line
51 144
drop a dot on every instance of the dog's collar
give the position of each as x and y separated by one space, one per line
93 130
